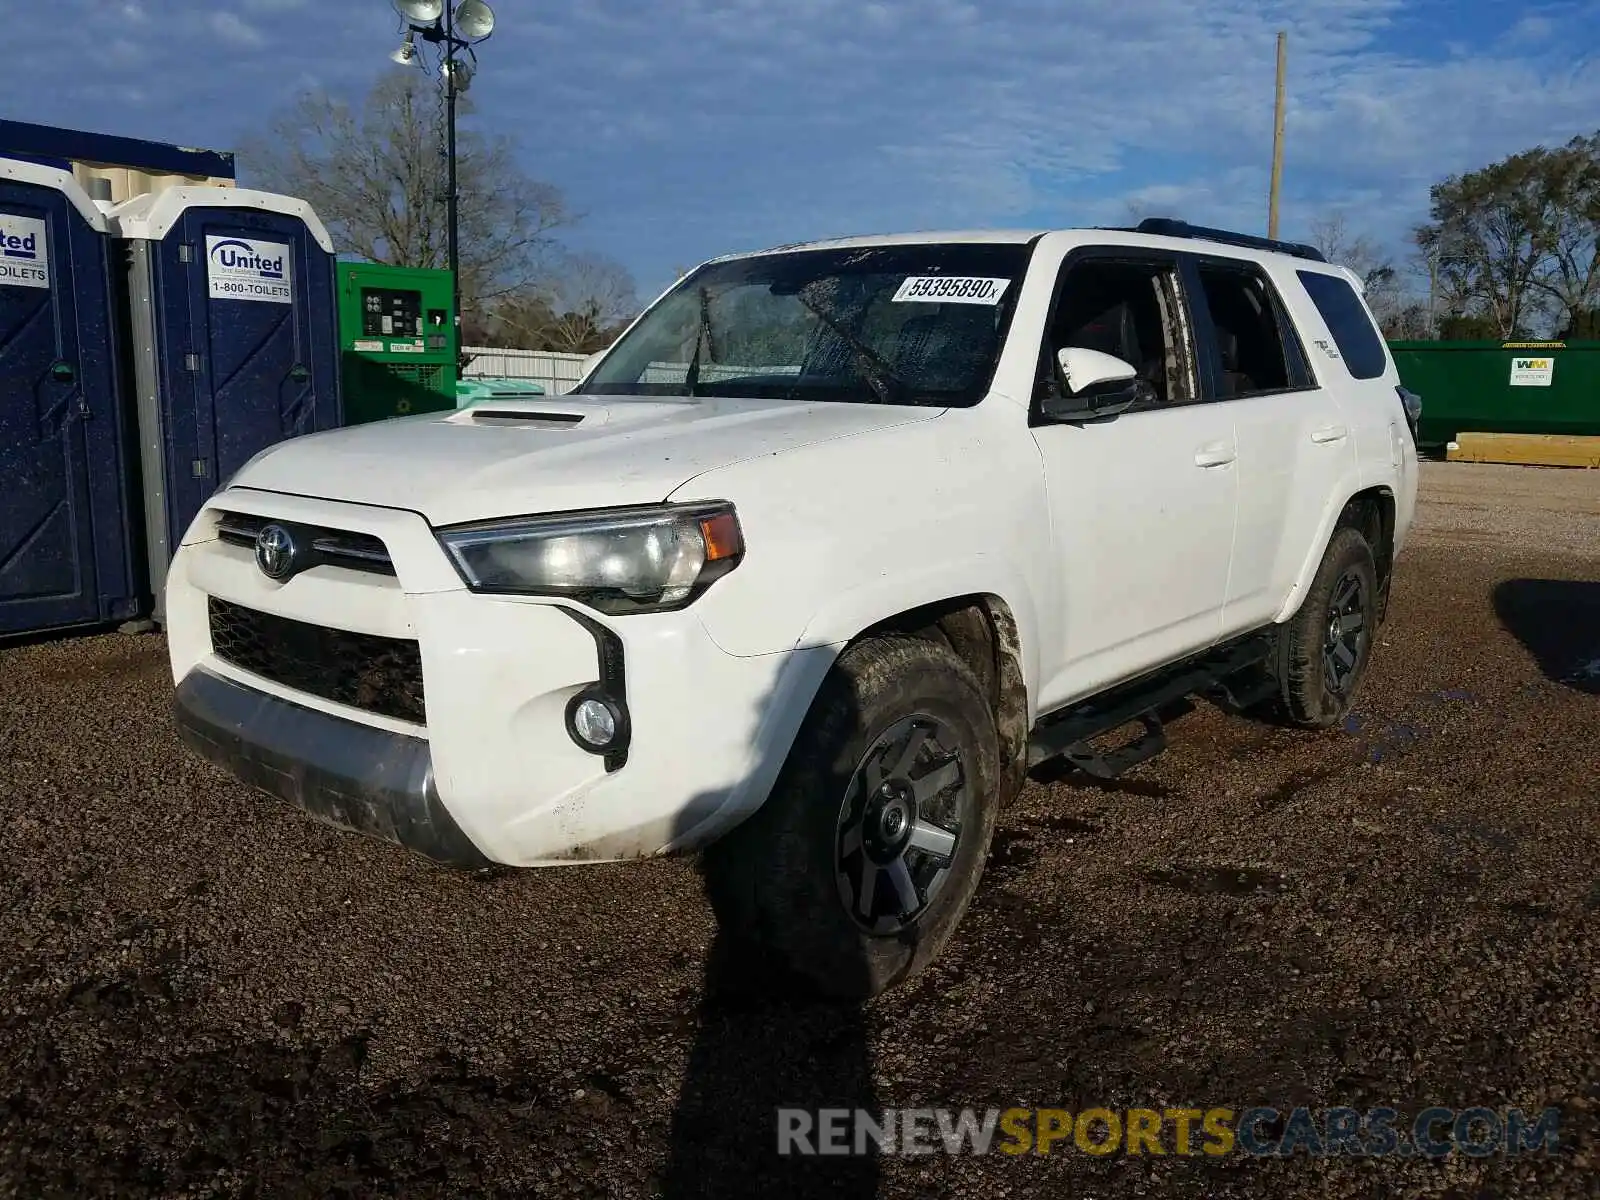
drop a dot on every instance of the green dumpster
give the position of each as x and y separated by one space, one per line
1502 387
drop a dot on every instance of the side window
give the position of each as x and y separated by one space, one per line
1359 343
1251 355
1132 309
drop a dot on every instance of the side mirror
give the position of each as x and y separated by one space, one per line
1091 385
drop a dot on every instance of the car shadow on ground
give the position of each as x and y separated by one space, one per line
762 1044
1558 621
754 1054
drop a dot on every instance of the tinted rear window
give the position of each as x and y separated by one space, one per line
1359 343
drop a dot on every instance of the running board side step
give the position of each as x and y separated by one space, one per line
1066 733
1108 764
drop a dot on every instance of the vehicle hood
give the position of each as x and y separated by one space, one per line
550 454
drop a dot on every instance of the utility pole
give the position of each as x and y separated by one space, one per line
1277 138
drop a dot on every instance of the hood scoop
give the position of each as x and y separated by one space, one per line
486 414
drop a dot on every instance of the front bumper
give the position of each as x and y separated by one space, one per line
491 758
343 773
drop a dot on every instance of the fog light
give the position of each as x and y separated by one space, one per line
596 722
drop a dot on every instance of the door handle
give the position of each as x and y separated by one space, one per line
1329 433
1214 454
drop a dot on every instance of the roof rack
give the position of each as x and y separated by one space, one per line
1167 227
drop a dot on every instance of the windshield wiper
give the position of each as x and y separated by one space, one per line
880 376
702 335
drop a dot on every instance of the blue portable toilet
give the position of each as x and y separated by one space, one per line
66 546
235 342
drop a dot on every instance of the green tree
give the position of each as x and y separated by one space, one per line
1486 237
1570 190
1513 245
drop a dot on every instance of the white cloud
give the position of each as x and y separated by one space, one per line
235 30
686 128
1535 27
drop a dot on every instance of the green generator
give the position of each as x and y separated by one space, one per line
397 341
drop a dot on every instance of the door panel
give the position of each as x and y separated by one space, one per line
259 321
47 560
1145 530
1294 443
1142 506
1294 449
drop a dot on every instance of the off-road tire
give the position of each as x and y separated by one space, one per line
1309 696
775 880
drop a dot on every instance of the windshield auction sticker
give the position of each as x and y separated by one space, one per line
246 269
24 252
952 289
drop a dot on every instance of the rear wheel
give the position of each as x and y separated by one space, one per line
856 870
1324 649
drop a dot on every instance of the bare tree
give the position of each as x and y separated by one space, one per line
593 296
578 308
376 175
1384 286
1331 234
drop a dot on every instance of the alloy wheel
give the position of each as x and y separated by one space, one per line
899 824
1346 633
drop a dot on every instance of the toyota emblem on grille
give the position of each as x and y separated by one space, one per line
275 551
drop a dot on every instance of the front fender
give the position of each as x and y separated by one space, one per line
846 614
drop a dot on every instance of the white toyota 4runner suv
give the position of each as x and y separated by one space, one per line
832 546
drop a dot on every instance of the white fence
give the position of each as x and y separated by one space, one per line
559 373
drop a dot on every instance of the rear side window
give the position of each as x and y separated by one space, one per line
1253 356
1359 343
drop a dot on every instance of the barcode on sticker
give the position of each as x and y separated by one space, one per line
952 289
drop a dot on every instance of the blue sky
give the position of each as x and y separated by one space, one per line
681 129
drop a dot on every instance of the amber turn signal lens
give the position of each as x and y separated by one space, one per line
722 536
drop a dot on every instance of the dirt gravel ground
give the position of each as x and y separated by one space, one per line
204 993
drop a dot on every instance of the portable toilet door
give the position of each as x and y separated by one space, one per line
66 548
235 325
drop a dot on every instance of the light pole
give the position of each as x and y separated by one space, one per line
451 28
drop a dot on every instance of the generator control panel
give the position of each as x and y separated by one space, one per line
397 333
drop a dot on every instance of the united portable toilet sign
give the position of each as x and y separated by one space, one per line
24 252
1533 372
248 269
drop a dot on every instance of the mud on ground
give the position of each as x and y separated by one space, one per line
203 993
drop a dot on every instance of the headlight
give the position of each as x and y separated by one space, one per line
618 560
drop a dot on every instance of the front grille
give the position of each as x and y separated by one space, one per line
379 674
336 547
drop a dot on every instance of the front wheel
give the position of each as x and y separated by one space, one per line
860 864
1324 649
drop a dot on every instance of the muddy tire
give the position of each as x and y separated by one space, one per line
1323 651
857 869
